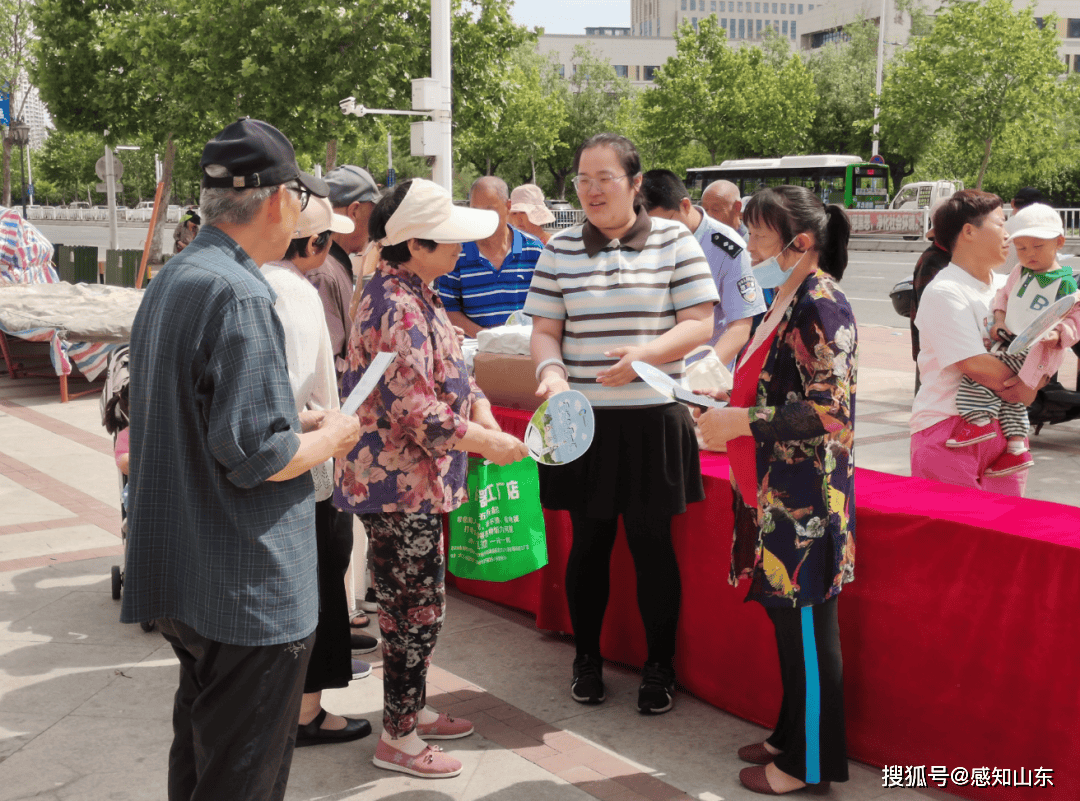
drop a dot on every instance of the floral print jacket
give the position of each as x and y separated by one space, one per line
798 546
419 410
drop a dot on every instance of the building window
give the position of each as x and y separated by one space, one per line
783 8
742 28
731 30
684 5
1040 23
723 23
1073 29
740 6
1076 63
713 6
793 29
650 73
621 71
693 5
562 70
784 29
759 29
800 8
694 23
757 8
774 8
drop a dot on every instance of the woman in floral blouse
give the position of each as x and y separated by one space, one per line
789 432
409 466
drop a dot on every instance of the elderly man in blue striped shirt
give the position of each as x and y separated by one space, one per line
491 278
221 544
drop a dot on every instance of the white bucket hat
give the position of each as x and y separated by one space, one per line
318 216
529 198
428 212
1037 220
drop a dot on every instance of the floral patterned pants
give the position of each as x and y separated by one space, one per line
410 585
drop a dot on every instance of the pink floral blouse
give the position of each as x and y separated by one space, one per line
419 410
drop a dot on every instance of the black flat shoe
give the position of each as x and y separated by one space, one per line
362 643
313 733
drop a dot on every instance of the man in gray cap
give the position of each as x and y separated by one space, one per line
353 194
221 545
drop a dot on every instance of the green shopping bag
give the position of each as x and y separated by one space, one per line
498 534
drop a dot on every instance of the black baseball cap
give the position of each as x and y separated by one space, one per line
1027 196
256 154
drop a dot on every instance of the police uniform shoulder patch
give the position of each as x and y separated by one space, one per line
748 288
729 246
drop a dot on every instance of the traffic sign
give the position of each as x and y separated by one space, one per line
99 168
877 159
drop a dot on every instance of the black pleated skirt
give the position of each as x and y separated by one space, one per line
642 462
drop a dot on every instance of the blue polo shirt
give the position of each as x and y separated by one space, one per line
483 294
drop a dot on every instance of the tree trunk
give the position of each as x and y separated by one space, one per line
331 154
7 172
985 161
489 172
166 196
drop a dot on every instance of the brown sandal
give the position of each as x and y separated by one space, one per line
756 754
755 780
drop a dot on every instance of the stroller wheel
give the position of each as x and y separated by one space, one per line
117 582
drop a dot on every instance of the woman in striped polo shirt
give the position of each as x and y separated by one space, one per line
619 288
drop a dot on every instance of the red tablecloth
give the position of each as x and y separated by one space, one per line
960 633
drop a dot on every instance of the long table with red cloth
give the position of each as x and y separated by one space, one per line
960 633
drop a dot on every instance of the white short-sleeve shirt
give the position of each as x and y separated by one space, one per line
954 323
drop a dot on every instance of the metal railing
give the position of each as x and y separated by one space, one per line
95 214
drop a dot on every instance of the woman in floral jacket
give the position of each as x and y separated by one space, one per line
408 468
789 431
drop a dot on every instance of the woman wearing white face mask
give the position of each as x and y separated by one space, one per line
789 432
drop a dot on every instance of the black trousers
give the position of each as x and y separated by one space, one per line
588 578
331 657
234 716
810 729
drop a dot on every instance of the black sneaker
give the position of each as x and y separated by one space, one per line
588 684
657 689
362 643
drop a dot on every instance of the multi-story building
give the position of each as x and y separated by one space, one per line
637 51
32 111
744 20
825 23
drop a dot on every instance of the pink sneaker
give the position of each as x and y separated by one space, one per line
970 434
445 728
1009 463
431 763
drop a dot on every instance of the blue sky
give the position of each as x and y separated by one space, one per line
571 16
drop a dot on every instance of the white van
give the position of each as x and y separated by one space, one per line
923 194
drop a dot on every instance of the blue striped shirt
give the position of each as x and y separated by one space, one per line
483 294
211 542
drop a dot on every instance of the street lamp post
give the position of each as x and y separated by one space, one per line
20 137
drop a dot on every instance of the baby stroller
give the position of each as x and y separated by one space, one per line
114 416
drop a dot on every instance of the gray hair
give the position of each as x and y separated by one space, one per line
492 182
230 206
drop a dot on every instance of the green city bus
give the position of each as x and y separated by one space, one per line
847 181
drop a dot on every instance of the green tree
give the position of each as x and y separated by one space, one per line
175 73
522 129
16 60
737 103
843 74
590 99
984 67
